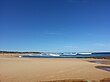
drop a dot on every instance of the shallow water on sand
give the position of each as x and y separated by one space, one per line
106 68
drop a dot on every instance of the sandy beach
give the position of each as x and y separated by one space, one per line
13 69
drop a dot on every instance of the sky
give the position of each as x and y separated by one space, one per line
55 25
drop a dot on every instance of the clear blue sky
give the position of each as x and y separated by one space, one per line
55 25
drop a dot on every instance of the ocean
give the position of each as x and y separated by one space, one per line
65 56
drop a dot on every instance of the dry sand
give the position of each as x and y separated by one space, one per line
14 69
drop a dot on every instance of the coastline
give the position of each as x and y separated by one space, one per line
13 69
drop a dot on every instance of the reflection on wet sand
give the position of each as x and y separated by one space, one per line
107 62
107 68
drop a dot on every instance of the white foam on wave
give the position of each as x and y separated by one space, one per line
20 56
84 53
53 54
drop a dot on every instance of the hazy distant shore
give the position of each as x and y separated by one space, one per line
16 54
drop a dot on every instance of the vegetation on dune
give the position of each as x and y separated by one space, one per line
15 52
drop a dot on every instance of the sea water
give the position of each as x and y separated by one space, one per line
65 56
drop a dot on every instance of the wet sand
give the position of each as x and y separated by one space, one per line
100 61
14 69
